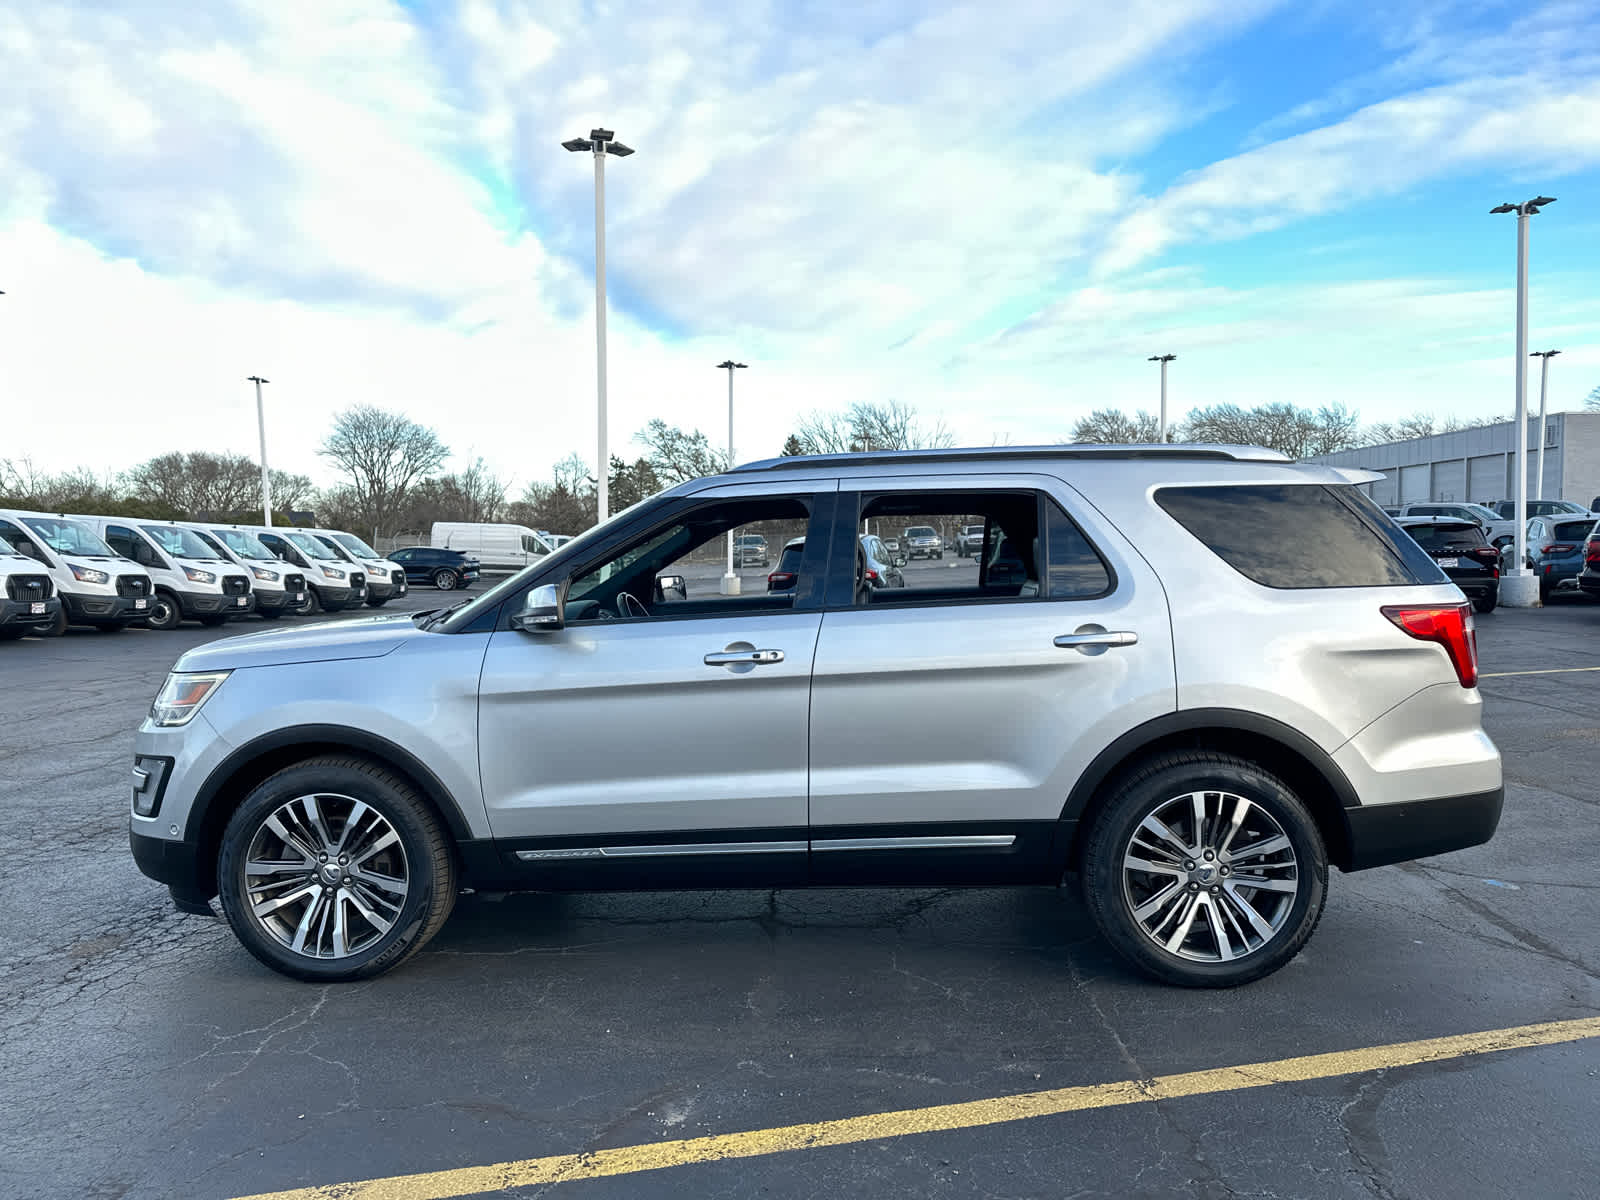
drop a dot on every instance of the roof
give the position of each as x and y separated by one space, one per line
988 454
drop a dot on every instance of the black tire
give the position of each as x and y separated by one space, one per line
446 580
1154 786
314 603
212 622
56 625
1486 603
165 611
429 864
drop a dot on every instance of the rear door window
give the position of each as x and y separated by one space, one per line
1300 535
1442 538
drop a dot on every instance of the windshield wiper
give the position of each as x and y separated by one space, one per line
441 614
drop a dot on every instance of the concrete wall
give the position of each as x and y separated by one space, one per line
1581 469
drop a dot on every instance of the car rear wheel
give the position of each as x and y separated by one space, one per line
445 579
165 612
335 869
1486 603
1205 871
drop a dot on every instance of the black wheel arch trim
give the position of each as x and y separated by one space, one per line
1172 727
331 738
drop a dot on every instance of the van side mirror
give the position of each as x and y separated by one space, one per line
671 587
542 610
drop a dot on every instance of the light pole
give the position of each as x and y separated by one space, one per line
1163 359
1544 384
1524 592
730 581
601 142
261 427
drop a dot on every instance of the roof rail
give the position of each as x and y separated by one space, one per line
801 462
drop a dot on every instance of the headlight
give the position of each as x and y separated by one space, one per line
333 573
263 573
376 568
196 575
89 574
182 695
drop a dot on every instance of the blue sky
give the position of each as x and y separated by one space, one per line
993 212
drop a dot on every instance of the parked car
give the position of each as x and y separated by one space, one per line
1497 530
969 542
97 587
277 586
444 569
1556 549
496 547
879 566
1507 509
922 541
332 582
1589 581
750 550
386 579
1305 698
1463 553
192 581
28 600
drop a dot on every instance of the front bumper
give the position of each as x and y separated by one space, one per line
210 604
1589 581
20 612
1381 834
280 601
82 608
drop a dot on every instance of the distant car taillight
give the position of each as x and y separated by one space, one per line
1559 548
1592 555
780 579
1451 626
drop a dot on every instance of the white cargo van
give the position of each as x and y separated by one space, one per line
278 587
28 600
496 547
97 587
333 583
385 579
191 581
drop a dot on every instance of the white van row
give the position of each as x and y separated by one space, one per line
109 572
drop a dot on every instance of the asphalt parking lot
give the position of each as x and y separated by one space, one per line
146 1054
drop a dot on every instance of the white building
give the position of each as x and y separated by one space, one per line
1480 465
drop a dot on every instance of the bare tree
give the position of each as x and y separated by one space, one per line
1591 402
676 456
385 454
1297 432
23 485
197 481
1110 426
291 491
892 425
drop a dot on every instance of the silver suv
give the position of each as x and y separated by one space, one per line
1187 678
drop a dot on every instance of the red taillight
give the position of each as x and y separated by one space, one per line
780 579
1592 555
1451 626
1559 548
872 576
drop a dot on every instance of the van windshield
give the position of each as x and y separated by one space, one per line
178 541
245 545
68 537
310 546
355 545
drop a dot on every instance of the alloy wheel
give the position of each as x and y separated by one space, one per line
326 876
1210 876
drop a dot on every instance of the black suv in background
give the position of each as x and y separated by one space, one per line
1589 580
1460 548
445 569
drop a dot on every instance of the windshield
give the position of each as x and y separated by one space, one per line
310 546
921 531
178 542
1481 512
355 545
245 545
68 537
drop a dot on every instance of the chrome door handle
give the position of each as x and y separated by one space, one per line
1104 637
729 658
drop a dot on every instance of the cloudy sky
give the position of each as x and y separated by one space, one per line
993 211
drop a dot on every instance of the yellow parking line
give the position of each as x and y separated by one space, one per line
874 1127
1551 671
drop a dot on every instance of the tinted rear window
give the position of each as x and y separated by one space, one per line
790 561
1573 531
1299 535
1447 537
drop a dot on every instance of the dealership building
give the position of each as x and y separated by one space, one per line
1480 465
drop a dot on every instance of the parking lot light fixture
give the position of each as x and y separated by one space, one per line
1524 592
261 428
1163 359
1544 386
730 581
600 143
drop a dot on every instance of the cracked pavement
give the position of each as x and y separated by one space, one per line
147 1055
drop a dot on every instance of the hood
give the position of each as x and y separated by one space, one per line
329 641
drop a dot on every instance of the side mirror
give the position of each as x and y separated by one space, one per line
900 560
671 587
542 611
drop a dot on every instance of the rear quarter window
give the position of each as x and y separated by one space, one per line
1573 531
1300 535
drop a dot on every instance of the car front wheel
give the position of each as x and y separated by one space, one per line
1205 871
335 869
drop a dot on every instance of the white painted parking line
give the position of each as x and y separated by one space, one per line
1551 671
